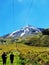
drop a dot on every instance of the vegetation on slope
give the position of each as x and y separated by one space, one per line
26 55
45 32
33 40
29 50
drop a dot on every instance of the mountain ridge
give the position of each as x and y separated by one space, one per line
27 30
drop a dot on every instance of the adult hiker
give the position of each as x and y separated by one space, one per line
11 58
4 58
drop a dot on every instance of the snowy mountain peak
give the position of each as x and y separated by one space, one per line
27 30
28 26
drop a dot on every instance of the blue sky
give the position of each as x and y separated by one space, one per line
14 14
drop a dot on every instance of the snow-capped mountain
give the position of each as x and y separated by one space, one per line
27 30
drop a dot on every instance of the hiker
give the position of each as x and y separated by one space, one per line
11 58
4 58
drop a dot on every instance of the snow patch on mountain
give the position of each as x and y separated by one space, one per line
25 31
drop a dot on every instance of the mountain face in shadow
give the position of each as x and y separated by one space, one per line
45 32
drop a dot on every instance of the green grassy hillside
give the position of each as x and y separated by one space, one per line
26 55
33 40
29 50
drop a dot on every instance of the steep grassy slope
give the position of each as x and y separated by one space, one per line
29 50
33 40
27 55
